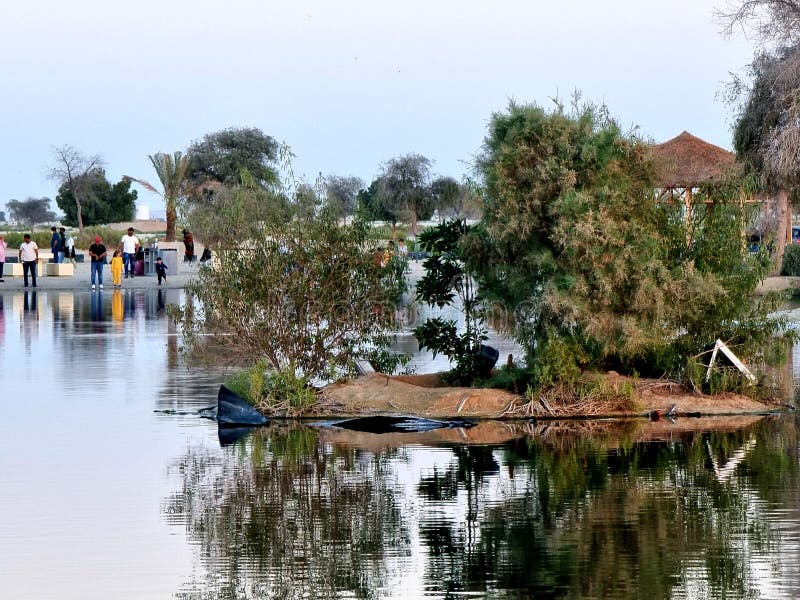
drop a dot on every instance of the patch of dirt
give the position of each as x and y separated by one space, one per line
424 396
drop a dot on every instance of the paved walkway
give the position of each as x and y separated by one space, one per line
82 279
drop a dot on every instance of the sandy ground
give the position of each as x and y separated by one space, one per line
778 284
81 279
382 394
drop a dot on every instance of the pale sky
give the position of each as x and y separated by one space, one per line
348 84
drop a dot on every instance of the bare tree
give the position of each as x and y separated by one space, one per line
71 169
770 22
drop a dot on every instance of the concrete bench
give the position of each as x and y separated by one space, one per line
60 269
15 269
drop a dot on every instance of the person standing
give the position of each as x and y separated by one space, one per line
55 240
188 243
3 246
116 269
62 244
70 248
129 244
98 253
29 257
402 249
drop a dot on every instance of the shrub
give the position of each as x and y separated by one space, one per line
299 293
791 261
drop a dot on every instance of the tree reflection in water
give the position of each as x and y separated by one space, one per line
280 516
573 510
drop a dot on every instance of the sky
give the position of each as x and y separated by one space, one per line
348 84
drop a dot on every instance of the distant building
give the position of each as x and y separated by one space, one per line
142 212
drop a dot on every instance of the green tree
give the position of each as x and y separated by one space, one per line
590 270
404 188
173 173
371 207
70 169
223 156
444 194
31 211
103 202
341 193
447 282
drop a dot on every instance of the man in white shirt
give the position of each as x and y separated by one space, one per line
129 244
28 256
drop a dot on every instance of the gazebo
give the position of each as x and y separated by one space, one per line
686 163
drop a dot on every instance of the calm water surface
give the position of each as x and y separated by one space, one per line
102 497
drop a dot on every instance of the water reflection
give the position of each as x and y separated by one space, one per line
102 497
584 510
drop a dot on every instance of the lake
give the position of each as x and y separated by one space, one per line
105 495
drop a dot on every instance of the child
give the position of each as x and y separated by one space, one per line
161 270
116 269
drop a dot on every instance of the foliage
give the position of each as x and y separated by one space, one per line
301 294
404 188
222 156
82 239
446 282
341 193
70 169
103 202
370 206
590 271
14 238
455 200
767 127
173 173
31 211
392 363
110 237
273 391
791 261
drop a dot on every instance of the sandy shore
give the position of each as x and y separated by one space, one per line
81 280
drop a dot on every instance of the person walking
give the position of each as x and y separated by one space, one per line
129 244
161 270
116 269
62 244
98 253
29 257
3 246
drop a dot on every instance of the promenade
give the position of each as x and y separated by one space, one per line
80 280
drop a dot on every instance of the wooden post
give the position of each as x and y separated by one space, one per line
687 200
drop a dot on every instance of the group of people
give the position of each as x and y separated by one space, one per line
122 261
382 256
61 245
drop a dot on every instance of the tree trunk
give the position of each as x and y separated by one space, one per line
171 218
784 233
79 213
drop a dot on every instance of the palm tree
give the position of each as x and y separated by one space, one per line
173 172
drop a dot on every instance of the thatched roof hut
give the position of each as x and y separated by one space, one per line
687 161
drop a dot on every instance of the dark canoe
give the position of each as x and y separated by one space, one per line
233 410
